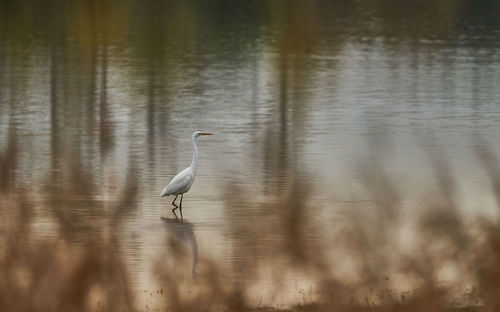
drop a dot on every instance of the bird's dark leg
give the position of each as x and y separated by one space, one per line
180 206
175 206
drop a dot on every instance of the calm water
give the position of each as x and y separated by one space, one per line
313 91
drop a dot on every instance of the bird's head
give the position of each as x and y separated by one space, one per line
198 133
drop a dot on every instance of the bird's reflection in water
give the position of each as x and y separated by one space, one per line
181 233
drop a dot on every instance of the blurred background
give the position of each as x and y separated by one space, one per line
348 135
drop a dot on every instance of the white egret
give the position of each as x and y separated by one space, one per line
182 182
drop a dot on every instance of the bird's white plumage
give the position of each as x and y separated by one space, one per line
180 184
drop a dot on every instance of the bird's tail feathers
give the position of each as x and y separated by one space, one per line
164 192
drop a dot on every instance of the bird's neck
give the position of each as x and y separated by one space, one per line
195 155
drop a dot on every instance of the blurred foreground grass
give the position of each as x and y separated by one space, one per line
80 268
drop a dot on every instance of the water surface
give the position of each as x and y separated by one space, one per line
293 91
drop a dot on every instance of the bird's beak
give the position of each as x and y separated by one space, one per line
206 133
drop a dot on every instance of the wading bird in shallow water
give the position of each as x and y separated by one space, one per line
182 182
